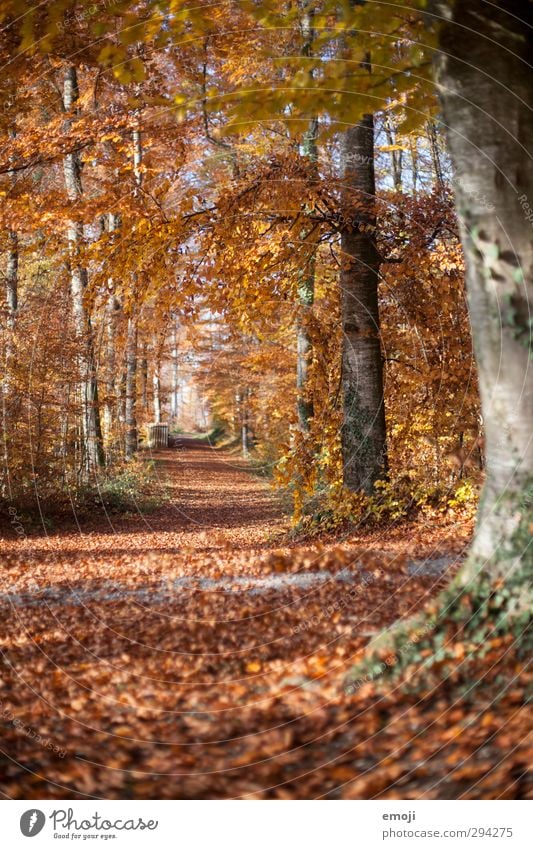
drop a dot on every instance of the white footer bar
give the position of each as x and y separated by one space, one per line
268 825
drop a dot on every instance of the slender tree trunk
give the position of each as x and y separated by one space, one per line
174 403
156 382
306 283
144 377
12 269
12 278
413 149
433 139
107 411
131 388
245 431
363 431
396 156
121 397
112 310
12 306
111 413
137 159
92 433
485 80
306 297
130 413
242 407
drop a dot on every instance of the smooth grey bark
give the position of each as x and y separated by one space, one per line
12 306
413 150
137 158
242 397
485 80
245 432
156 385
110 411
144 376
91 428
12 270
130 413
306 281
156 382
174 396
12 267
306 297
363 430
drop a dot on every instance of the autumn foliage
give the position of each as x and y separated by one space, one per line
185 198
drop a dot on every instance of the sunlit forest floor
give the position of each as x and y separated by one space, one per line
201 652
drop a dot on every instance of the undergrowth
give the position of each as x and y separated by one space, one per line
134 487
462 625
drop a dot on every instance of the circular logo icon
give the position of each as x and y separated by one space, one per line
32 822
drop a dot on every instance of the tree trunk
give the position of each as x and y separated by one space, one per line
109 406
175 372
112 399
12 306
12 278
131 388
92 433
144 377
242 405
306 282
413 149
245 430
156 381
137 159
485 80
363 430
433 139
306 297
130 412
396 156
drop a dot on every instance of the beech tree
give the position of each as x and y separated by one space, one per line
363 428
484 76
91 428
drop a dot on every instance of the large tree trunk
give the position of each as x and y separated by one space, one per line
485 81
92 433
363 430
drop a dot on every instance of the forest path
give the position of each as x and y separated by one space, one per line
217 529
183 654
210 502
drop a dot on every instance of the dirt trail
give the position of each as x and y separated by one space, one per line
211 502
184 654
